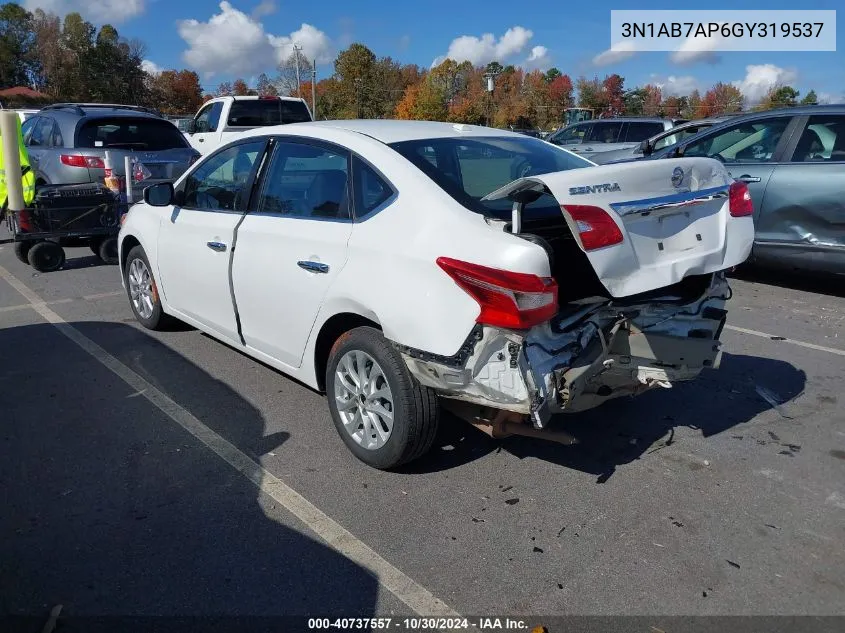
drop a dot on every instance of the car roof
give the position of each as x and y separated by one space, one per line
389 130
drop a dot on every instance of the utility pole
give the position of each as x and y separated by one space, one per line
358 94
491 79
296 50
314 88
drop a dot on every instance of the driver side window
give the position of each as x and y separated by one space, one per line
571 135
222 182
749 142
209 117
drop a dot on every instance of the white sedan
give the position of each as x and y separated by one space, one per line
401 266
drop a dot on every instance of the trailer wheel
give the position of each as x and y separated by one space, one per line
107 250
45 257
22 250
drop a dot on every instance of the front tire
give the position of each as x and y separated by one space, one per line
46 257
142 290
382 414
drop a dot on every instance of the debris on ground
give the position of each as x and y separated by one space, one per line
506 488
773 399
538 550
513 501
732 564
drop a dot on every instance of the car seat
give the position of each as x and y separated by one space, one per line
809 147
326 196
838 152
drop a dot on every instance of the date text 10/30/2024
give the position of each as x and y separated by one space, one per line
423 624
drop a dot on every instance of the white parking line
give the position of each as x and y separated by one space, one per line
820 348
28 306
414 595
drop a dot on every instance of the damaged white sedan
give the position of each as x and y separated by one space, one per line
404 266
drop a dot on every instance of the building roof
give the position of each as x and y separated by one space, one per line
22 91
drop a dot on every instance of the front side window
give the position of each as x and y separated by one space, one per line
749 142
678 136
822 140
570 135
209 117
470 168
222 182
306 181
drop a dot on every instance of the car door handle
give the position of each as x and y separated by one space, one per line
201 140
216 246
747 178
314 267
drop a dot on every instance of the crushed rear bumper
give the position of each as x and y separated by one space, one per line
576 363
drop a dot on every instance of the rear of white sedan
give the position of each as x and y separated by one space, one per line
488 271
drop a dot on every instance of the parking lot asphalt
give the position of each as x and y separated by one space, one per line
722 496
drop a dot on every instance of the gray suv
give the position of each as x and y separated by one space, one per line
67 144
606 135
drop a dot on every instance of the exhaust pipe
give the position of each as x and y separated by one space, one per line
500 424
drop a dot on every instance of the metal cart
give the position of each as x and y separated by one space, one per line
62 215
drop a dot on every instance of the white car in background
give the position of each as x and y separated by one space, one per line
398 266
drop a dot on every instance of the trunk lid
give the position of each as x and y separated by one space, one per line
674 217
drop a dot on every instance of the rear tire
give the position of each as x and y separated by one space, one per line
107 250
382 414
46 257
22 250
142 291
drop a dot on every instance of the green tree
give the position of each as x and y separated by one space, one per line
810 98
552 74
494 67
18 62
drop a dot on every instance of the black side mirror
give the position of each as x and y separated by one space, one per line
645 148
159 194
191 127
679 152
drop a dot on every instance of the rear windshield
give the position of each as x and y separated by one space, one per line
260 112
468 169
130 133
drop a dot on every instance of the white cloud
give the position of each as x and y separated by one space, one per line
150 67
619 53
697 49
676 86
233 43
404 42
759 78
97 11
314 44
266 7
485 49
539 58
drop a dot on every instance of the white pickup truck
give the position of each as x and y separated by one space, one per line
223 118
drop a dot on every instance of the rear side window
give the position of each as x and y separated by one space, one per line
640 131
370 189
260 112
130 133
747 142
822 140
604 133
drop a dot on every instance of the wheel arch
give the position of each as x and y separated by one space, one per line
332 329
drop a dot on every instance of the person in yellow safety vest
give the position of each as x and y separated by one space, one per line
27 175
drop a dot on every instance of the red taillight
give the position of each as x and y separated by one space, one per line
507 299
77 160
24 222
740 200
596 228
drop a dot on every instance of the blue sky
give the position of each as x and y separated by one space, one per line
222 41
